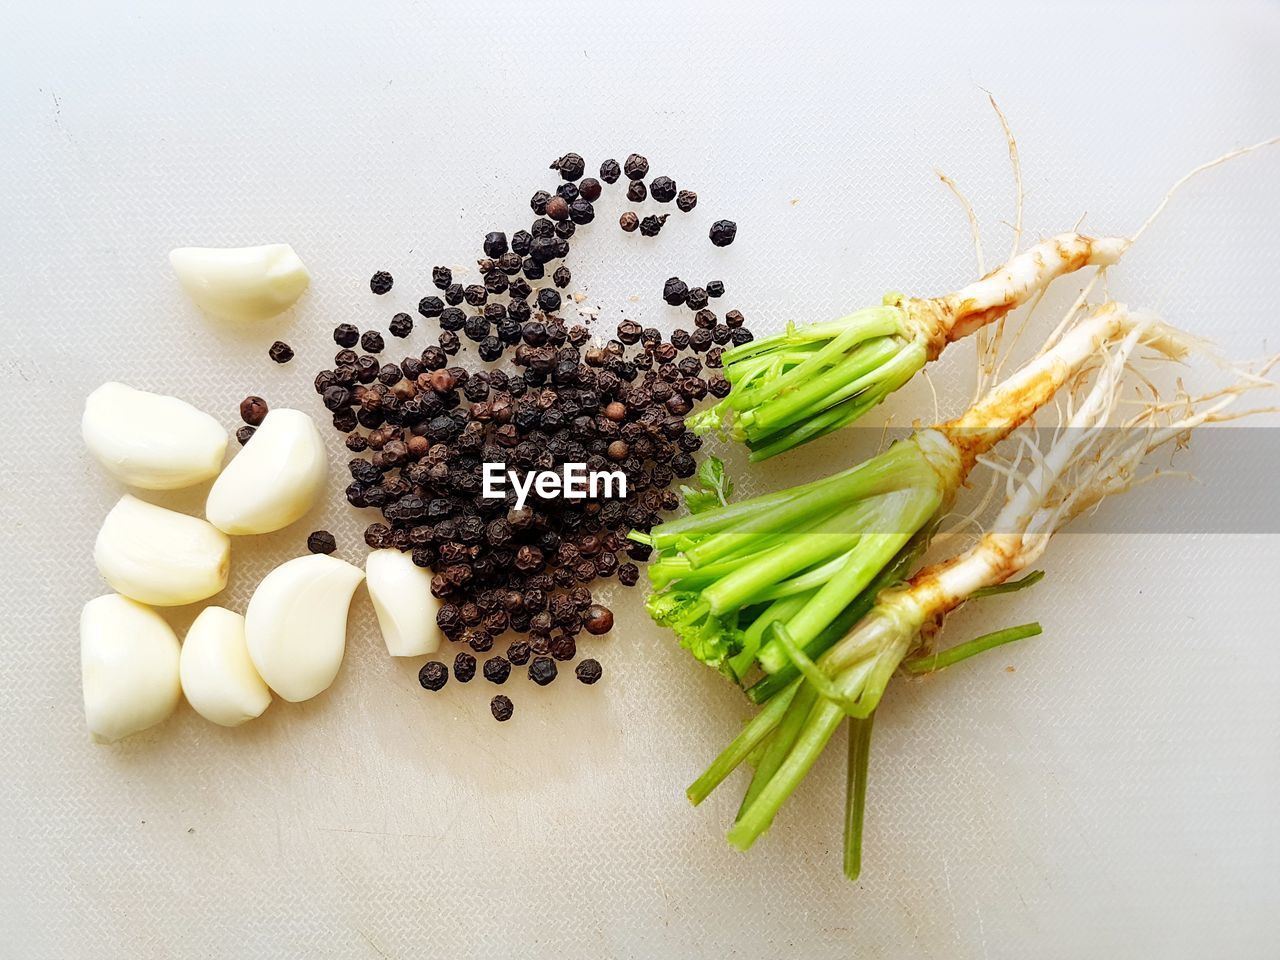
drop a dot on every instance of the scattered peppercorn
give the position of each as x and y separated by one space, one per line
401 325
381 282
497 669
571 166
715 288
441 277
722 232
346 335
464 667
734 318
501 708
599 620
433 675
663 189
280 352
371 341
675 291
650 225
636 167
321 541
538 202
548 300
590 189
557 208
495 244
610 171
561 277
697 298
542 670
253 410
589 670
628 221
637 192
245 434
686 200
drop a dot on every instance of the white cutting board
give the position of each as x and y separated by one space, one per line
1115 795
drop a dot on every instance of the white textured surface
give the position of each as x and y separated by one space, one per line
1116 796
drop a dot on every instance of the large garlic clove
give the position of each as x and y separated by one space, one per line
218 678
274 480
128 665
402 599
296 624
241 283
160 556
149 440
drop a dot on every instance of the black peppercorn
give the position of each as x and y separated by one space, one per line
433 675
571 166
533 269
542 670
740 336
464 667
538 202
569 191
610 171
520 241
495 244
381 282
686 200
563 647
548 300
588 671
663 189
501 708
702 338
581 211
253 410
449 342
497 669
628 222
697 298
566 229
561 277
637 192
346 335
722 232
628 574
518 653
280 352
401 325
428 307
441 277
371 341
636 167
650 225
590 189
322 541
454 295
245 434
476 295
675 291
715 288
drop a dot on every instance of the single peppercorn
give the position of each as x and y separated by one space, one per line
245 434
686 200
740 336
697 298
433 675
610 171
548 300
346 335
637 192
501 708
322 541
441 277
538 202
542 670
589 671
464 667
662 189
564 647
571 166
497 669
280 352
495 244
628 221
381 282
371 341
581 211
675 291
723 232
561 277
520 241
599 620
569 191
454 295
628 574
651 225
253 410
715 288
518 653
636 167
558 208
590 189
428 307
401 325
734 318
718 386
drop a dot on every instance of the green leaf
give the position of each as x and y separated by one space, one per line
714 487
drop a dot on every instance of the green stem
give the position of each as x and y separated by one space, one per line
963 651
753 733
855 800
780 744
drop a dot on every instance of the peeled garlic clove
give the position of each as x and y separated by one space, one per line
296 624
218 678
160 556
128 665
149 440
274 480
402 599
241 283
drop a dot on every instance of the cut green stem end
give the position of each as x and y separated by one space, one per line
950 657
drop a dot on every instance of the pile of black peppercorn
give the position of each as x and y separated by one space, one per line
423 428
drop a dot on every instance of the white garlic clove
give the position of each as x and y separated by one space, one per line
296 624
160 556
128 666
218 677
149 440
274 480
241 283
402 599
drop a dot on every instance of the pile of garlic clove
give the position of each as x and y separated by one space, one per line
132 664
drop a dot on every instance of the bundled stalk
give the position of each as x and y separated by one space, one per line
811 559
804 383
1093 457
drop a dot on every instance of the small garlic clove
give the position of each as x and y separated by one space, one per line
296 624
160 556
241 283
149 440
128 666
402 599
218 677
275 479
